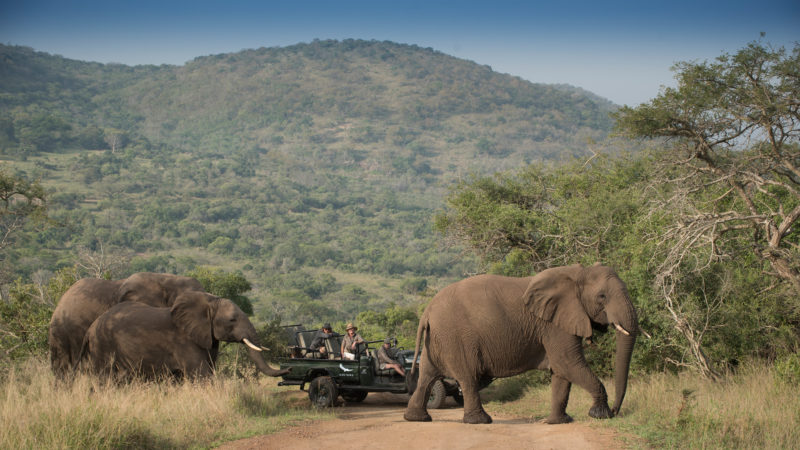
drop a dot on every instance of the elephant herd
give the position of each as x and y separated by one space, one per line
474 330
150 325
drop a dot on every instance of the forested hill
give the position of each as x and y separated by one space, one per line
328 157
369 94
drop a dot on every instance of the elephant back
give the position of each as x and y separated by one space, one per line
156 289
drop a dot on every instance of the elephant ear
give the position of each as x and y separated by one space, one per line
191 313
554 298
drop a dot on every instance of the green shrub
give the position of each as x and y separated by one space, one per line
787 369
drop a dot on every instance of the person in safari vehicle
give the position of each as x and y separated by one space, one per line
386 360
318 344
350 342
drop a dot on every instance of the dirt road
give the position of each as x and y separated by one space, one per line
378 424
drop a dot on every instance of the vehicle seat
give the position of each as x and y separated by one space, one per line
301 343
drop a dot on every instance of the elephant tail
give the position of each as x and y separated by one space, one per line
423 325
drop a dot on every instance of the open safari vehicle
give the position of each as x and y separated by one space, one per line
330 376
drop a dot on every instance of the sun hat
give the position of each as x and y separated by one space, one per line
350 326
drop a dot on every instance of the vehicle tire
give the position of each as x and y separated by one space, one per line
354 396
438 395
322 392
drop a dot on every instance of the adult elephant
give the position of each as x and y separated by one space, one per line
88 298
492 326
134 339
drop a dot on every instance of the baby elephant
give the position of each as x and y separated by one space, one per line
134 339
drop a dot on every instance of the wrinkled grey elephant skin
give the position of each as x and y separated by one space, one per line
88 298
135 340
491 326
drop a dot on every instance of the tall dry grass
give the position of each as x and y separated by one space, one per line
753 408
36 413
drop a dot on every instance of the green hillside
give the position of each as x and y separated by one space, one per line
315 169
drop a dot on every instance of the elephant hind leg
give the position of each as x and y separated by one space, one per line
417 410
559 396
473 408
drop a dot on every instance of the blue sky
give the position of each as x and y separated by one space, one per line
620 50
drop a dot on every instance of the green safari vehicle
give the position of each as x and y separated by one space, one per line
327 378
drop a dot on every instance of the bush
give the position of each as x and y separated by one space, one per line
787 369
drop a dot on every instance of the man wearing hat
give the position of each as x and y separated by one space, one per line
386 361
318 343
350 342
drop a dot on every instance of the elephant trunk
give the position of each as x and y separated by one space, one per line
622 365
262 366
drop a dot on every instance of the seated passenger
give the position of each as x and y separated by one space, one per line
350 342
318 343
386 361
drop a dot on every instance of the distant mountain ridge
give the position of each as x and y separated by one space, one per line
370 88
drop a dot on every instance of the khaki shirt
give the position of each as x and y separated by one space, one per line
347 341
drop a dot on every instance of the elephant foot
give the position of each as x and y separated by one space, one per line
554 420
477 417
601 411
417 415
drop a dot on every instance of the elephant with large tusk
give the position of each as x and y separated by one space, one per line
134 339
491 326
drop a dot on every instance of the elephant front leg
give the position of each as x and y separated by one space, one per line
589 381
572 367
559 396
473 409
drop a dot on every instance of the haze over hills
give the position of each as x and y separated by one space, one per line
315 159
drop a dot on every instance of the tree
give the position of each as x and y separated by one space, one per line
225 284
103 263
730 174
115 138
734 126
25 315
21 201
540 216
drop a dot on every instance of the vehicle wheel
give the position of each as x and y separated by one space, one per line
354 396
322 392
438 395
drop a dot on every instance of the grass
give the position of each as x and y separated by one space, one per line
753 408
37 414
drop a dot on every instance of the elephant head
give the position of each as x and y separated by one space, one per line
575 297
205 318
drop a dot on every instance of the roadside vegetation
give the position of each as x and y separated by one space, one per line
36 413
756 407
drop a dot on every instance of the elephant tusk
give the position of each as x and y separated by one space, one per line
645 333
621 330
251 345
266 349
